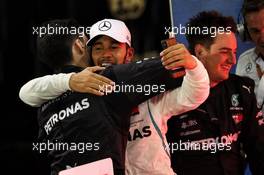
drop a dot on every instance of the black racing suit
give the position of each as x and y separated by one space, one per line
100 124
216 137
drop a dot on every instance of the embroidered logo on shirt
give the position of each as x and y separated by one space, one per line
139 133
248 67
234 100
238 118
247 88
65 113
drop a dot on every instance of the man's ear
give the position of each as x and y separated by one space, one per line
79 46
130 55
200 51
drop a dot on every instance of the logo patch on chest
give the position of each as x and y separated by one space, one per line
237 118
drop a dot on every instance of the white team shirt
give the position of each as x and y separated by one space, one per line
145 153
246 66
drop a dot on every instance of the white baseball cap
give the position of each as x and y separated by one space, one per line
113 28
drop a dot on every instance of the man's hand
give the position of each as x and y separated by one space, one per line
177 56
87 81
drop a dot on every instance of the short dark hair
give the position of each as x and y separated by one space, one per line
55 49
207 19
252 6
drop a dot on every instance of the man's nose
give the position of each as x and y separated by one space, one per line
107 53
232 58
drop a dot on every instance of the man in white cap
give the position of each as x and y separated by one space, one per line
110 34
110 43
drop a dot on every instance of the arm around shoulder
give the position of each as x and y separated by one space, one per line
193 92
40 90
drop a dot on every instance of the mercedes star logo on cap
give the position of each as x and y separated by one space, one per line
104 26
